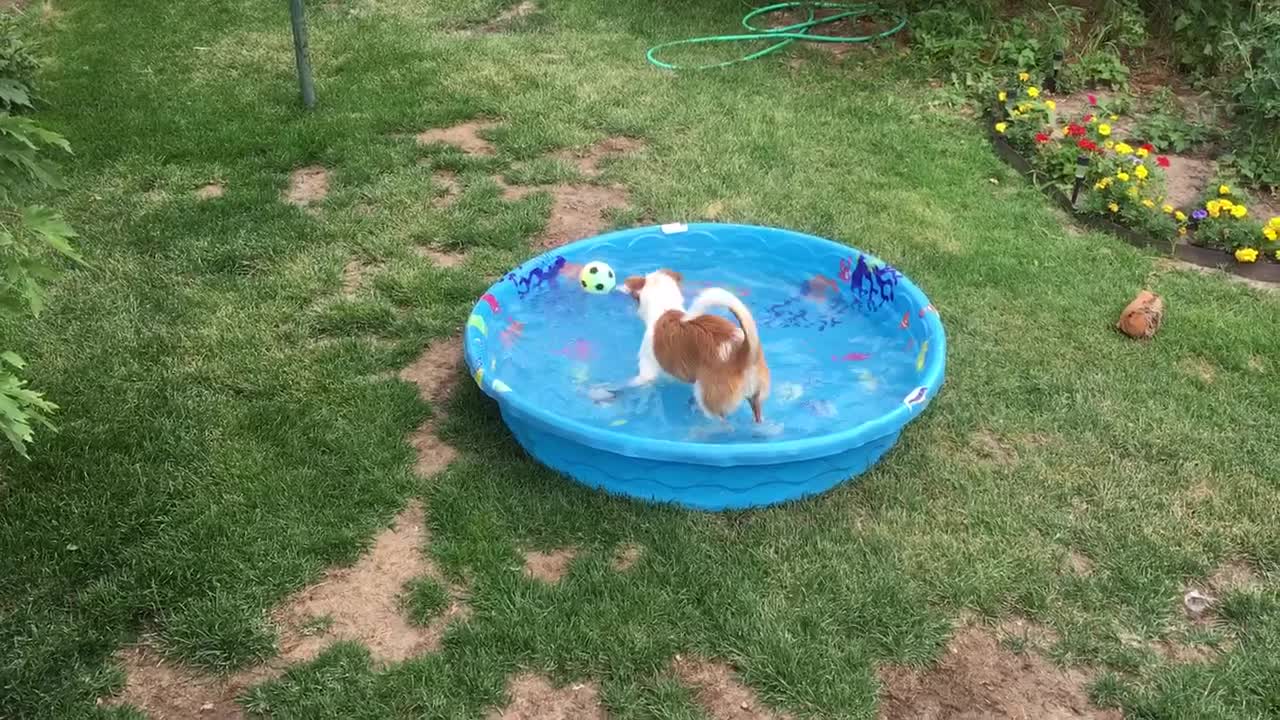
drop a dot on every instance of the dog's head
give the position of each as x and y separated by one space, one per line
657 290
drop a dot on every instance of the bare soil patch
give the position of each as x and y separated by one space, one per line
359 603
588 162
440 258
515 192
435 373
627 556
549 567
533 697
993 449
465 136
720 692
1231 576
510 16
1186 180
307 186
449 188
353 275
211 191
977 678
1077 563
578 211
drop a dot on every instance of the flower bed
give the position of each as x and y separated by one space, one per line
1118 184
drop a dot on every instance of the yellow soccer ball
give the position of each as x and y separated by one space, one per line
597 278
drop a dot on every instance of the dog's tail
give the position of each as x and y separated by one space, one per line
719 297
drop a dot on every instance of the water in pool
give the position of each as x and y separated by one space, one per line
834 364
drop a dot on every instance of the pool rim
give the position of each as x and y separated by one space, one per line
720 454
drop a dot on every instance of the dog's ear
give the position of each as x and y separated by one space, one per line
633 285
673 275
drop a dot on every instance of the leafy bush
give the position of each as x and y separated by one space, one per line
17 68
30 235
1097 68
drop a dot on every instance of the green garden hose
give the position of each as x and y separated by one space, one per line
786 34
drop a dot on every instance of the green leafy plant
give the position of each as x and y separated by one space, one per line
31 236
1098 68
1173 132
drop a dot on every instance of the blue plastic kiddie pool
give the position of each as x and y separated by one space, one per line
855 349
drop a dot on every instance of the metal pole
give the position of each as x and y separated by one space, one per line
300 52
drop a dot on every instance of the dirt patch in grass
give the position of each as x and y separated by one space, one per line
211 191
549 567
993 449
465 136
1024 632
439 258
978 678
1183 653
362 602
578 211
626 557
435 373
510 16
588 161
353 275
1077 563
515 192
720 692
1231 576
449 188
359 603
307 186
533 697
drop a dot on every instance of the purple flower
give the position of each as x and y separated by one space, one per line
1199 215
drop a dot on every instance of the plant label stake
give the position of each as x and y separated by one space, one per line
1082 164
300 53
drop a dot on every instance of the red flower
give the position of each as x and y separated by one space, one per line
1148 147
1075 130
1162 161
1042 138
1093 99
1087 144
1088 118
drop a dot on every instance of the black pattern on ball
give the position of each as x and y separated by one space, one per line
584 283
599 286
593 269
610 274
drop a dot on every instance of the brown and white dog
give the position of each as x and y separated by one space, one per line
724 363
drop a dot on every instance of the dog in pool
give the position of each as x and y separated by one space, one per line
724 363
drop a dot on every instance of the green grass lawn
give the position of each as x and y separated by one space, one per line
232 426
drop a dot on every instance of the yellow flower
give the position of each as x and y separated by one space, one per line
1182 231
1239 211
1066 131
1033 92
1109 144
1001 126
1115 118
1270 233
1123 149
1180 216
1224 190
1016 112
1225 204
1002 96
1122 176
1141 152
1148 202
1167 209
1104 129
1133 192
1278 255
1274 222
1141 172
1105 182
1023 107
1246 255
1113 207
1024 76
1051 104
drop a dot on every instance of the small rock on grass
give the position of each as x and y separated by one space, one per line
1142 317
